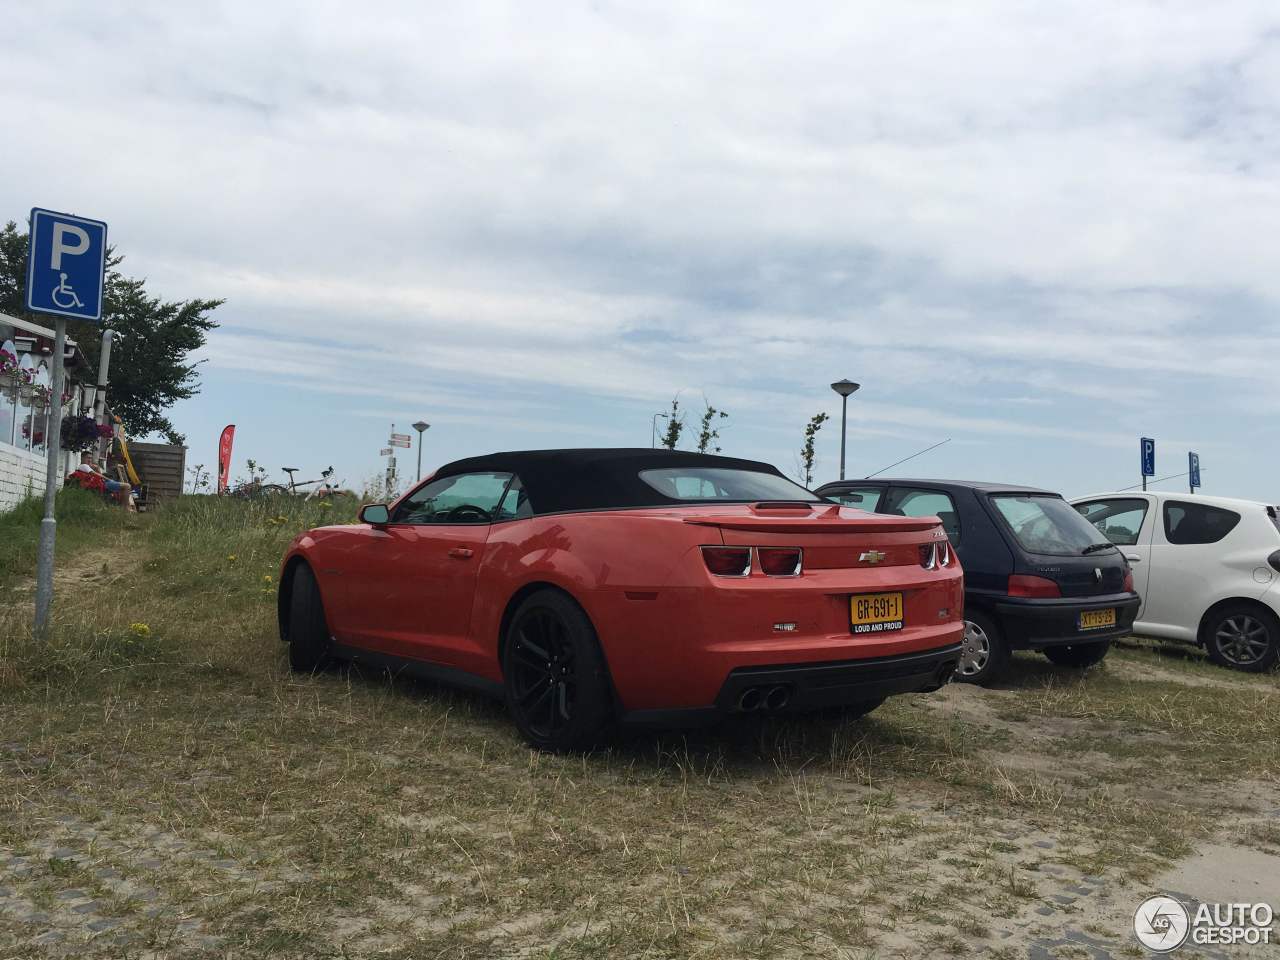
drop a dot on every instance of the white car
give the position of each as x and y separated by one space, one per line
1207 569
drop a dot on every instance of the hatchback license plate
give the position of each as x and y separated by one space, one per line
876 612
1097 619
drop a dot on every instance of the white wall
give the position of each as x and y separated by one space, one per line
22 473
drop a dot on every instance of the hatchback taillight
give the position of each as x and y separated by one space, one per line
1022 585
1128 580
727 561
780 561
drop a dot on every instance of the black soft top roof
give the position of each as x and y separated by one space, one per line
594 479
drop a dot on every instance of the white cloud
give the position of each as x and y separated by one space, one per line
996 214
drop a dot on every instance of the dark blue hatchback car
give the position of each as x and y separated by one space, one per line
1037 575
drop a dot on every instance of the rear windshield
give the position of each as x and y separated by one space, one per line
718 483
1046 524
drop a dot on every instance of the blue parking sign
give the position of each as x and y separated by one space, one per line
66 265
1148 457
1193 469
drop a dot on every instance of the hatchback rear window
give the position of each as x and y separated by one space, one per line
720 483
1192 523
1046 524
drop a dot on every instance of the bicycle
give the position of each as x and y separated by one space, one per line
326 487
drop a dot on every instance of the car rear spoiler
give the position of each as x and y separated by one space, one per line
821 519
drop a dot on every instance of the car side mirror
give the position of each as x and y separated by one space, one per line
375 514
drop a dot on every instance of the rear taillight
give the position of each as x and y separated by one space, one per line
1128 579
1274 560
1021 585
936 554
727 561
780 561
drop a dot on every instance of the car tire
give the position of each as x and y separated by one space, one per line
985 653
1242 637
1081 655
310 647
555 677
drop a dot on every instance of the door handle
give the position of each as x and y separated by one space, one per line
460 553
1133 558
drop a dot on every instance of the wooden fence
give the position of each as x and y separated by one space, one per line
161 466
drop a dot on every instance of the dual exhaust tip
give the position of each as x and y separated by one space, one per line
764 698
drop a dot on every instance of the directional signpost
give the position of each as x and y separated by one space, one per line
1148 460
66 270
1193 470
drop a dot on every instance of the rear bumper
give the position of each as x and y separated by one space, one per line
1037 623
814 686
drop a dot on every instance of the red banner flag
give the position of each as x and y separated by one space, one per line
224 456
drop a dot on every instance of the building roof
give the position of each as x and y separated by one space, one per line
594 479
76 362
29 327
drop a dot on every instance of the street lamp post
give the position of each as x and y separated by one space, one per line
844 388
420 426
653 433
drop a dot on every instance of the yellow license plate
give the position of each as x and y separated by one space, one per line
1097 619
876 612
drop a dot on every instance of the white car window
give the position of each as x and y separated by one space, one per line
1120 521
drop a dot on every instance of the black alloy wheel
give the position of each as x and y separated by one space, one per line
557 685
1244 638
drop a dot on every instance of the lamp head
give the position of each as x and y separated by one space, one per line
845 387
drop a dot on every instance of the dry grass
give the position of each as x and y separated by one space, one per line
175 792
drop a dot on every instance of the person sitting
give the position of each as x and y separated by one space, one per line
91 478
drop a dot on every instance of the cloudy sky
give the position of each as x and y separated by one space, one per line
1039 230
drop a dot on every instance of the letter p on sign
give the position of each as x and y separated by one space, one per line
61 233
66 264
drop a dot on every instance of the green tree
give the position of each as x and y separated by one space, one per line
709 434
675 425
807 453
150 369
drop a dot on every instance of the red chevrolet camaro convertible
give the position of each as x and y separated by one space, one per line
647 586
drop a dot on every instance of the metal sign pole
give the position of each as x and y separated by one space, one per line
66 276
52 446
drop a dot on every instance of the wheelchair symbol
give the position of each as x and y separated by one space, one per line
64 296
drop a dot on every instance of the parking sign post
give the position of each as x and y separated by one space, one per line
66 267
1148 456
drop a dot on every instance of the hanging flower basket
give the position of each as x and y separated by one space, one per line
8 363
81 433
26 385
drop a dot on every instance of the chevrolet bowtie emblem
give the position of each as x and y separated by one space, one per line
870 556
